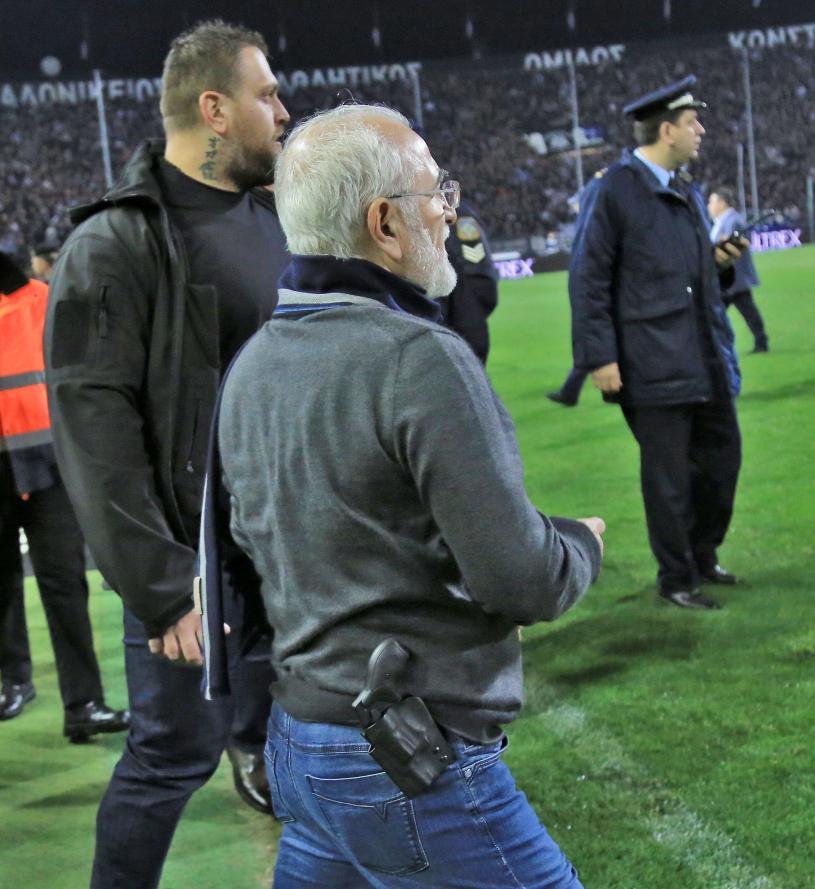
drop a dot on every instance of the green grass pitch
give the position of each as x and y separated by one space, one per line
662 748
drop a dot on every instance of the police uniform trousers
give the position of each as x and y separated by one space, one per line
57 552
690 456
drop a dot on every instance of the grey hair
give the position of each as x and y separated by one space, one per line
323 194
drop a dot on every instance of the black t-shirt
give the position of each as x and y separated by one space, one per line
234 242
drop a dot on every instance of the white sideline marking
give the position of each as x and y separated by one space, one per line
712 854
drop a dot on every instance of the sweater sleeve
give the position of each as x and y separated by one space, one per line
454 436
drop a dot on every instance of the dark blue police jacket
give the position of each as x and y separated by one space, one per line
645 291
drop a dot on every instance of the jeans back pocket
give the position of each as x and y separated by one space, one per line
279 808
373 819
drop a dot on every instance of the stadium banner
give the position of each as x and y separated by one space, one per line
800 36
74 92
775 237
351 75
558 58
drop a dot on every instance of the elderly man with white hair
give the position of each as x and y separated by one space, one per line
376 484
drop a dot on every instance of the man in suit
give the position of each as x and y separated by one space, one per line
726 219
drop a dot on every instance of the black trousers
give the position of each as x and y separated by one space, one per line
57 553
174 746
573 384
690 457
744 302
15 654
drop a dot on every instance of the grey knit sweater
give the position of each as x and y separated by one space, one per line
376 484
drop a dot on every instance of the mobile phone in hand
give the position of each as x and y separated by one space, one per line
745 231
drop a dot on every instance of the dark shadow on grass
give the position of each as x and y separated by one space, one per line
87 795
15 771
603 646
791 390
592 674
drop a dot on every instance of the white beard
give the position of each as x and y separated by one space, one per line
428 265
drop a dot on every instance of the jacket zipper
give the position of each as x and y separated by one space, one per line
103 313
189 467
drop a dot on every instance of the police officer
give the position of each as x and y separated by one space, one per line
475 296
649 324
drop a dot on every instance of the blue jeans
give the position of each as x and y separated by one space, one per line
347 825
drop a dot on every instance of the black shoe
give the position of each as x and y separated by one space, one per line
560 398
251 781
13 699
85 720
717 574
689 599
760 347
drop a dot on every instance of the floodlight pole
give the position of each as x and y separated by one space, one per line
103 127
418 114
578 155
751 139
740 179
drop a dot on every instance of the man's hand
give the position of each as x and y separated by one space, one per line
597 526
607 378
726 253
183 641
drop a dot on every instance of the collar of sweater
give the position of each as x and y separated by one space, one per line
319 282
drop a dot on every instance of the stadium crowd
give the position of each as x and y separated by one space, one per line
477 120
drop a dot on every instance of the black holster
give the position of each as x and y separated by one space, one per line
409 746
404 737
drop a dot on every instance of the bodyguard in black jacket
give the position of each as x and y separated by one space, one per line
154 291
649 324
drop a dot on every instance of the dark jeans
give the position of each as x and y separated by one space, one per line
743 301
175 744
57 553
347 826
689 465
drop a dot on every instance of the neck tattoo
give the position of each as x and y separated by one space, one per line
208 167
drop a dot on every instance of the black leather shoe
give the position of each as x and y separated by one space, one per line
689 599
85 720
717 574
560 398
251 782
13 699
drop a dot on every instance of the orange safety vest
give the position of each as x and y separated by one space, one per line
24 418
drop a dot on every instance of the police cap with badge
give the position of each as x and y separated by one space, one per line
673 97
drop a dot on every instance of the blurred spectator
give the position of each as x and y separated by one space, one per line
726 219
43 257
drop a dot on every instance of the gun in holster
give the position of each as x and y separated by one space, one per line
404 737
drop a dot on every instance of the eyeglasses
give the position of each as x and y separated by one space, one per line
450 190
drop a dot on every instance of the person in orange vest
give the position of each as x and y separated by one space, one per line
33 498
